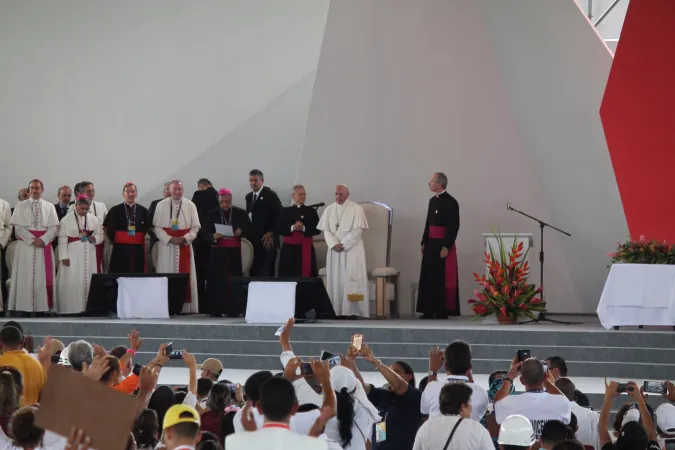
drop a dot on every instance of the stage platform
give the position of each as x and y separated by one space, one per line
591 351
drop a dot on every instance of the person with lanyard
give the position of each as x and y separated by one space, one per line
36 225
540 402
126 226
176 224
79 233
278 403
100 211
224 227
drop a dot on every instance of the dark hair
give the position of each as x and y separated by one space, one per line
567 387
532 371
161 400
84 184
496 375
10 398
458 358
16 375
219 398
204 385
256 173
35 180
345 416
553 432
573 427
208 445
146 429
126 185
253 384
408 370
24 432
113 368
423 383
76 188
632 437
180 396
13 323
453 396
618 418
557 362
11 336
570 444
307 407
515 447
277 399
204 181
118 352
208 436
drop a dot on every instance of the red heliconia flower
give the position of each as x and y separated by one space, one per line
523 306
503 310
476 277
505 289
521 246
517 293
485 284
471 301
514 283
535 300
540 289
480 309
493 291
482 297
511 301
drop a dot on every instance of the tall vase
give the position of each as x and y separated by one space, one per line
507 320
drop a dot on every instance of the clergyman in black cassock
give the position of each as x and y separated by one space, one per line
225 259
438 294
205 199
297 224
126 225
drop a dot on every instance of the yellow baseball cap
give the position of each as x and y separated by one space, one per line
180 414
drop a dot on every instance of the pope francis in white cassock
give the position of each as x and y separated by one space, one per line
5 232
343 224
79 233
35 224
176 224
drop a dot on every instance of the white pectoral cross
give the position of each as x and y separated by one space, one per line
436 211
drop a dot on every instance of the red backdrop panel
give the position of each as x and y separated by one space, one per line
638 115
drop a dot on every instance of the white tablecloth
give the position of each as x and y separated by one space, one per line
143 298
638 294
270 301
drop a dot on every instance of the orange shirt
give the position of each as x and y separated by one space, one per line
33 374
128 385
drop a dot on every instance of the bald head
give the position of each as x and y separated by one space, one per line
567 387
341 193
176 189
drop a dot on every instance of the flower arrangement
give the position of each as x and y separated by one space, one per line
643 251
506 291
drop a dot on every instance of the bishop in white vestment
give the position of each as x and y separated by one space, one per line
35 224
343 224
176 224
100 211
79 233
5 232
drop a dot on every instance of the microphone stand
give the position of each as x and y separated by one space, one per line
541 317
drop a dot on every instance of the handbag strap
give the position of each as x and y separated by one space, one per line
452 433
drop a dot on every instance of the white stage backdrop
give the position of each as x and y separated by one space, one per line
503 98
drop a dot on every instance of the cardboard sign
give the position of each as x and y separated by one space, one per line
69 400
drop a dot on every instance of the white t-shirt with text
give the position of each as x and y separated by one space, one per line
538 406
430 404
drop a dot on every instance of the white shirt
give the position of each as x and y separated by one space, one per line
273 439
469 435
300 423
303 391
539 407
587 421
430 398
361 430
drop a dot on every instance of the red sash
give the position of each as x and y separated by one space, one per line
299 238
73 239
184 258
228 243
123 237
450 268
49 265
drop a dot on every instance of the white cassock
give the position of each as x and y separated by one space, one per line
5 232
33 286
73 281
169 255
346 272
99 210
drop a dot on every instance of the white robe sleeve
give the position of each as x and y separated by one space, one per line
23 234
194 220
330 238
6 229
50 234
63 242
159 231
98 233
352 238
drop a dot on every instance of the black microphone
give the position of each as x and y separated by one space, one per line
317 205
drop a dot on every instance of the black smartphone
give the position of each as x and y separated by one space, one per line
55 359
177 354
623 388
168 349
655 387
326 355
670 444
306 369
523 354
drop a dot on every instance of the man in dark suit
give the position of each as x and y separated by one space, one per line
151 213
263 206
205 199
64 194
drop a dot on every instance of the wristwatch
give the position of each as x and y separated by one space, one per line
432 373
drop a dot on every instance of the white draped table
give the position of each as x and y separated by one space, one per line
638 294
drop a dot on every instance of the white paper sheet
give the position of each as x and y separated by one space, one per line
225 230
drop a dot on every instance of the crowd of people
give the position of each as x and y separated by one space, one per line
324 403
202 237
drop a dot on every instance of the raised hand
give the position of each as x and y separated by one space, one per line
134 340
